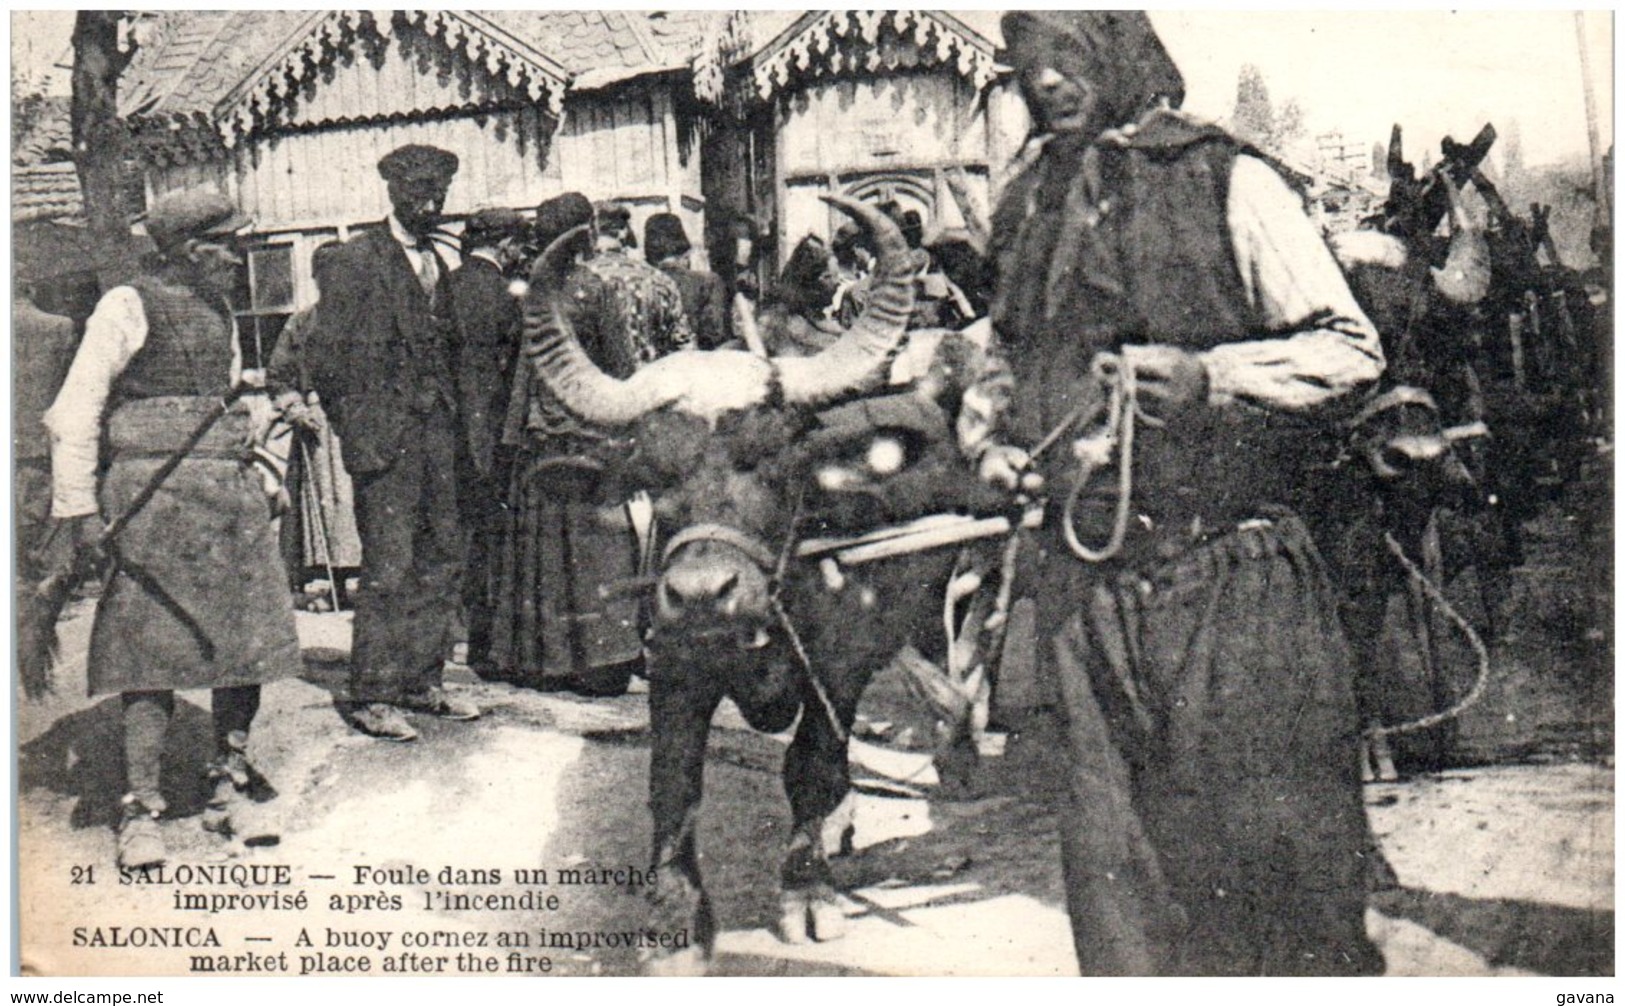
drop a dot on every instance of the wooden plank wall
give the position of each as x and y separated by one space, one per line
908 127
622 144
617 144
298 180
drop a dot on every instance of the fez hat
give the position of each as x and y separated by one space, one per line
195 213
416 162
491 225
663 237
561 213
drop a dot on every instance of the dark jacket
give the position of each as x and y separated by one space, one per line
486 342
705 301
1158 266
380 356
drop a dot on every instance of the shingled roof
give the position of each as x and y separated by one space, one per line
49 137
191 60
194 61
45 192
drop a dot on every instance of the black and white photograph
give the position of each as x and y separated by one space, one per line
775 493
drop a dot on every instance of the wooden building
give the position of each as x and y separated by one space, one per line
289 112
744 111
880 105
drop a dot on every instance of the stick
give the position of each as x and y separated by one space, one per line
322 539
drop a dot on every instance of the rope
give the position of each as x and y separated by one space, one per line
780 565
1122 407
806 666
1435 595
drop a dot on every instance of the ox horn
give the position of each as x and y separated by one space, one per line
1465 277
565 368
863 355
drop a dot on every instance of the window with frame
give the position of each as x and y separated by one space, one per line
264 300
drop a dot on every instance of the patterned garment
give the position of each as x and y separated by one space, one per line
627 312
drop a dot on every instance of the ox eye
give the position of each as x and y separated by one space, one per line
885 456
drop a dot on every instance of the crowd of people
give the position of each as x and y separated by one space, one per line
1198 678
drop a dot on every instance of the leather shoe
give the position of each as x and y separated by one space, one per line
438 702
140 842
381 720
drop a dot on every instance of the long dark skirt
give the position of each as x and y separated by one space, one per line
197 598
550 624
1211 813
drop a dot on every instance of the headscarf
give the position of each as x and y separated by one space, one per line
1118 52
804 282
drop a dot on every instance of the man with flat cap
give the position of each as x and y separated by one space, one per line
381 358
197 597
1210 810
486 346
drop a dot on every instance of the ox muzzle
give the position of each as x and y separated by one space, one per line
717 584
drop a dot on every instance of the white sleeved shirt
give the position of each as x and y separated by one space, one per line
1326 345
115 332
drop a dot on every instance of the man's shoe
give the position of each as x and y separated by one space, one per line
437 701
140 842
381 720
230 811
487 669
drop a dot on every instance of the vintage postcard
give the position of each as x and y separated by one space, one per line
813 493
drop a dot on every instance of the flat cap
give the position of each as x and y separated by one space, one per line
609 212
194 213
418 162
493 224
612 216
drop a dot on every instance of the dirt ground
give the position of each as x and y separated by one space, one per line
1505 863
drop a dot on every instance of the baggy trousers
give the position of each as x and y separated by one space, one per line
1211 815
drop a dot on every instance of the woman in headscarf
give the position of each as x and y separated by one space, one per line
550 629
794 322
1211 816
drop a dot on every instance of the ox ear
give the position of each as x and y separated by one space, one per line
665 448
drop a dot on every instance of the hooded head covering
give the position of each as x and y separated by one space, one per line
804 281
1118 52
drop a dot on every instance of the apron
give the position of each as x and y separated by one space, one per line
196 597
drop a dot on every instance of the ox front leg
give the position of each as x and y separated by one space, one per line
680 710
817 780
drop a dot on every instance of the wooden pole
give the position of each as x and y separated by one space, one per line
1599 185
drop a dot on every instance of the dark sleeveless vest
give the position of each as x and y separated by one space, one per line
1135 248
188 347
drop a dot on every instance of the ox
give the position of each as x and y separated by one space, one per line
744 457
1406 469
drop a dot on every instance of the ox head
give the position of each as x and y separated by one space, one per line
717 436
1379 266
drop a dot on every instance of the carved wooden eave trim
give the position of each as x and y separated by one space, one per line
263 93
831 43
726 43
